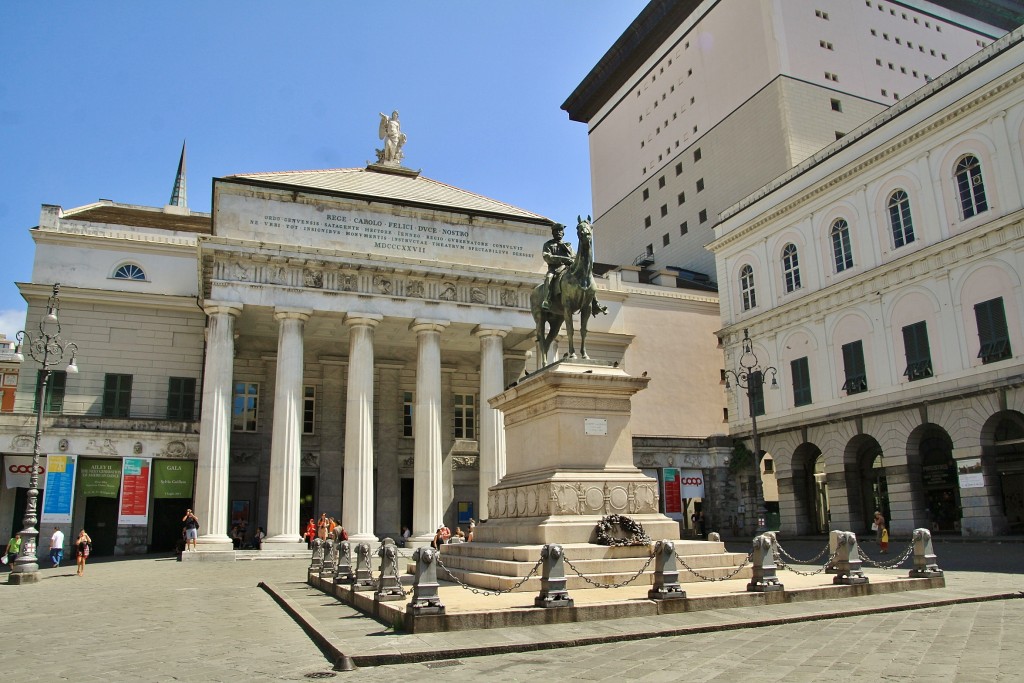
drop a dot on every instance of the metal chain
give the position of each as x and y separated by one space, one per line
889 565
598 584
398 578
728 576
828 563
813 560
481 591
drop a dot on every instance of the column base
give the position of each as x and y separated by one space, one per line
22 578
213 542
284 542
355 539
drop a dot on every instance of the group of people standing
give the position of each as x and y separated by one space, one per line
83 547
323 528
444 535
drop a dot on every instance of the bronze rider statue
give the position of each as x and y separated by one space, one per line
558 255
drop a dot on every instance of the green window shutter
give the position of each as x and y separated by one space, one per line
799 371
919 357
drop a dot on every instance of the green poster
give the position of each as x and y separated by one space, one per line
173 478
101 477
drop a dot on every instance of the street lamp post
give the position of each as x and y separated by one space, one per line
48 349
750 377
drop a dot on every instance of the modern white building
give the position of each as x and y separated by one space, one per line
698 104
882 278
324 341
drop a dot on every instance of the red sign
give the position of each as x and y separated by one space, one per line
673 501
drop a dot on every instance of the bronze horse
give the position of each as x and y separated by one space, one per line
573 291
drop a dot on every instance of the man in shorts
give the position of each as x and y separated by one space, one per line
191 529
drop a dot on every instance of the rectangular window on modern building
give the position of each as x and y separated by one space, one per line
244 406
117 395
798 370
646 194
679 168
664 210
308 409
703 216
465 416
181 398
919 356
661 182
993 332
683 228
407 423
853 365
700 185
696 155
681 198
647 221
665 239
54 402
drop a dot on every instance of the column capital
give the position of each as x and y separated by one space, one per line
363 319
229 307
485 330
285 313
427 325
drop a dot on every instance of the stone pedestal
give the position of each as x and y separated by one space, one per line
569 459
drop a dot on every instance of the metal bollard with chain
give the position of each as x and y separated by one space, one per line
598 584
343 572
482 591
666 574
847 561
763 578
552 585
425 598
364 576
925 561
389 583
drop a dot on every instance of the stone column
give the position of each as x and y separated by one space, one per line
492 431
357 503
211 501
286 440
428 505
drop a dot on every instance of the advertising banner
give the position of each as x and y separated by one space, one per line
101 478
18 469
970 473
134 509
691 483
673 501
173 478
60 489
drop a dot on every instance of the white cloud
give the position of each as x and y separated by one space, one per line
11 321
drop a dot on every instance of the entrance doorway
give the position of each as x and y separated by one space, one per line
101 524
1008 441
307 501
405 513
939 477
167 524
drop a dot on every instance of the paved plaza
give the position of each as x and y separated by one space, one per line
154 619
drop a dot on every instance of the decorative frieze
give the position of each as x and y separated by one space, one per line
574 498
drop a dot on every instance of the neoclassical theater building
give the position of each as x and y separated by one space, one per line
324 341
882 278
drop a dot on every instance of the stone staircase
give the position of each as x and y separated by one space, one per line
500 567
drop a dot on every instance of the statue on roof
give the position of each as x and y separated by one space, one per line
390 131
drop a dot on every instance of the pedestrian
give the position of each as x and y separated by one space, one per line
257 538
323 526
472 529
877 525
13 548
884 542
57 546
406 534
438 539
83 546
310 533
191 529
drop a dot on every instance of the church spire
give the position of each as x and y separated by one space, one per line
179 195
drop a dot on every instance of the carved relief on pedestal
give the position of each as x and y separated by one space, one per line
574 498
618 499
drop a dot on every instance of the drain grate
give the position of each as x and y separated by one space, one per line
321 674
443 663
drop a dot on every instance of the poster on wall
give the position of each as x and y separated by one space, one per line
18 471
101 478
134 509
671 492
173 478
691 483
60 489
969 471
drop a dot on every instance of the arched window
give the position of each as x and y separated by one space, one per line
900 222
841 245
747 292
791 267
971 186
129 271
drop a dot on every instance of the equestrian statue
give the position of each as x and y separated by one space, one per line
568 288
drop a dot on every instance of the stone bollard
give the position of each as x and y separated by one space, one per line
762 556
847 562
364 576
666 573
316 563
425 599
552 584
833 548
343 572
389 584
715 536
925 561
328 560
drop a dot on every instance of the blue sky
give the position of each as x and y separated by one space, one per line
96 98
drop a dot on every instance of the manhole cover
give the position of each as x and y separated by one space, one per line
443 663
321 674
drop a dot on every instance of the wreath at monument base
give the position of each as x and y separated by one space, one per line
623 524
